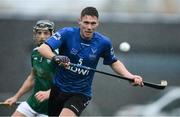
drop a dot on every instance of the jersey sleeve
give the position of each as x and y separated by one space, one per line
108 54
56 39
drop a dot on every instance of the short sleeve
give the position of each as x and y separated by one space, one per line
56 39
108 54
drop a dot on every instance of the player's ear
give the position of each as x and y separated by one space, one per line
98 23
79 21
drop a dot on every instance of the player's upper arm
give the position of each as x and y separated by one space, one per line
30 79
46 51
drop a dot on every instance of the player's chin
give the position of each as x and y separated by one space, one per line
88 35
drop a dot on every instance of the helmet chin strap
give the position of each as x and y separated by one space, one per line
39 44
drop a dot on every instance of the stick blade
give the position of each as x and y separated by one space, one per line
162 84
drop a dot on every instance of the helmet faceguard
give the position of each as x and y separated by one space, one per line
44 25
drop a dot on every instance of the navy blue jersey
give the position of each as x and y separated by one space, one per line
82 52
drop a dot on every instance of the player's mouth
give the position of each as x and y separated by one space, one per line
88 32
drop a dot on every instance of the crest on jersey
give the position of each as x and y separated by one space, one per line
48 60
94 50
74 51
57 36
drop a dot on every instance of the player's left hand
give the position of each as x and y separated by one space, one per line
138 81
42 95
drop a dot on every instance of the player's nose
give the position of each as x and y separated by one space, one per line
42 35
89 27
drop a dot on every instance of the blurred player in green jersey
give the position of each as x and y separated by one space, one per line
40 77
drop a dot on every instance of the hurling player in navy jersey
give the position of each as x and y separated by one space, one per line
81 45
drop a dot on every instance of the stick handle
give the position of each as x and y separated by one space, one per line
148 84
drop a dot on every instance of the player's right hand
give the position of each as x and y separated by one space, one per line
42 95
138 81
61 60
10 101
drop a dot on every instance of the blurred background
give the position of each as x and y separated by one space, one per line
151 27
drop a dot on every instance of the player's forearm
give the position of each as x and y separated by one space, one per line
27 86
120 69
46 51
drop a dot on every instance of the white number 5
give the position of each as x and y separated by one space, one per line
80 61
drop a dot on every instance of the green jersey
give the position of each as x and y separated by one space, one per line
43 74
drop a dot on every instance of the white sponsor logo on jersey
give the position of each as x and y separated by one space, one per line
79 71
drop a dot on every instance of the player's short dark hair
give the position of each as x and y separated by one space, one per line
92 11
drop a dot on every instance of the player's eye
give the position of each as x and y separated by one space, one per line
85 22
93 23
44 32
